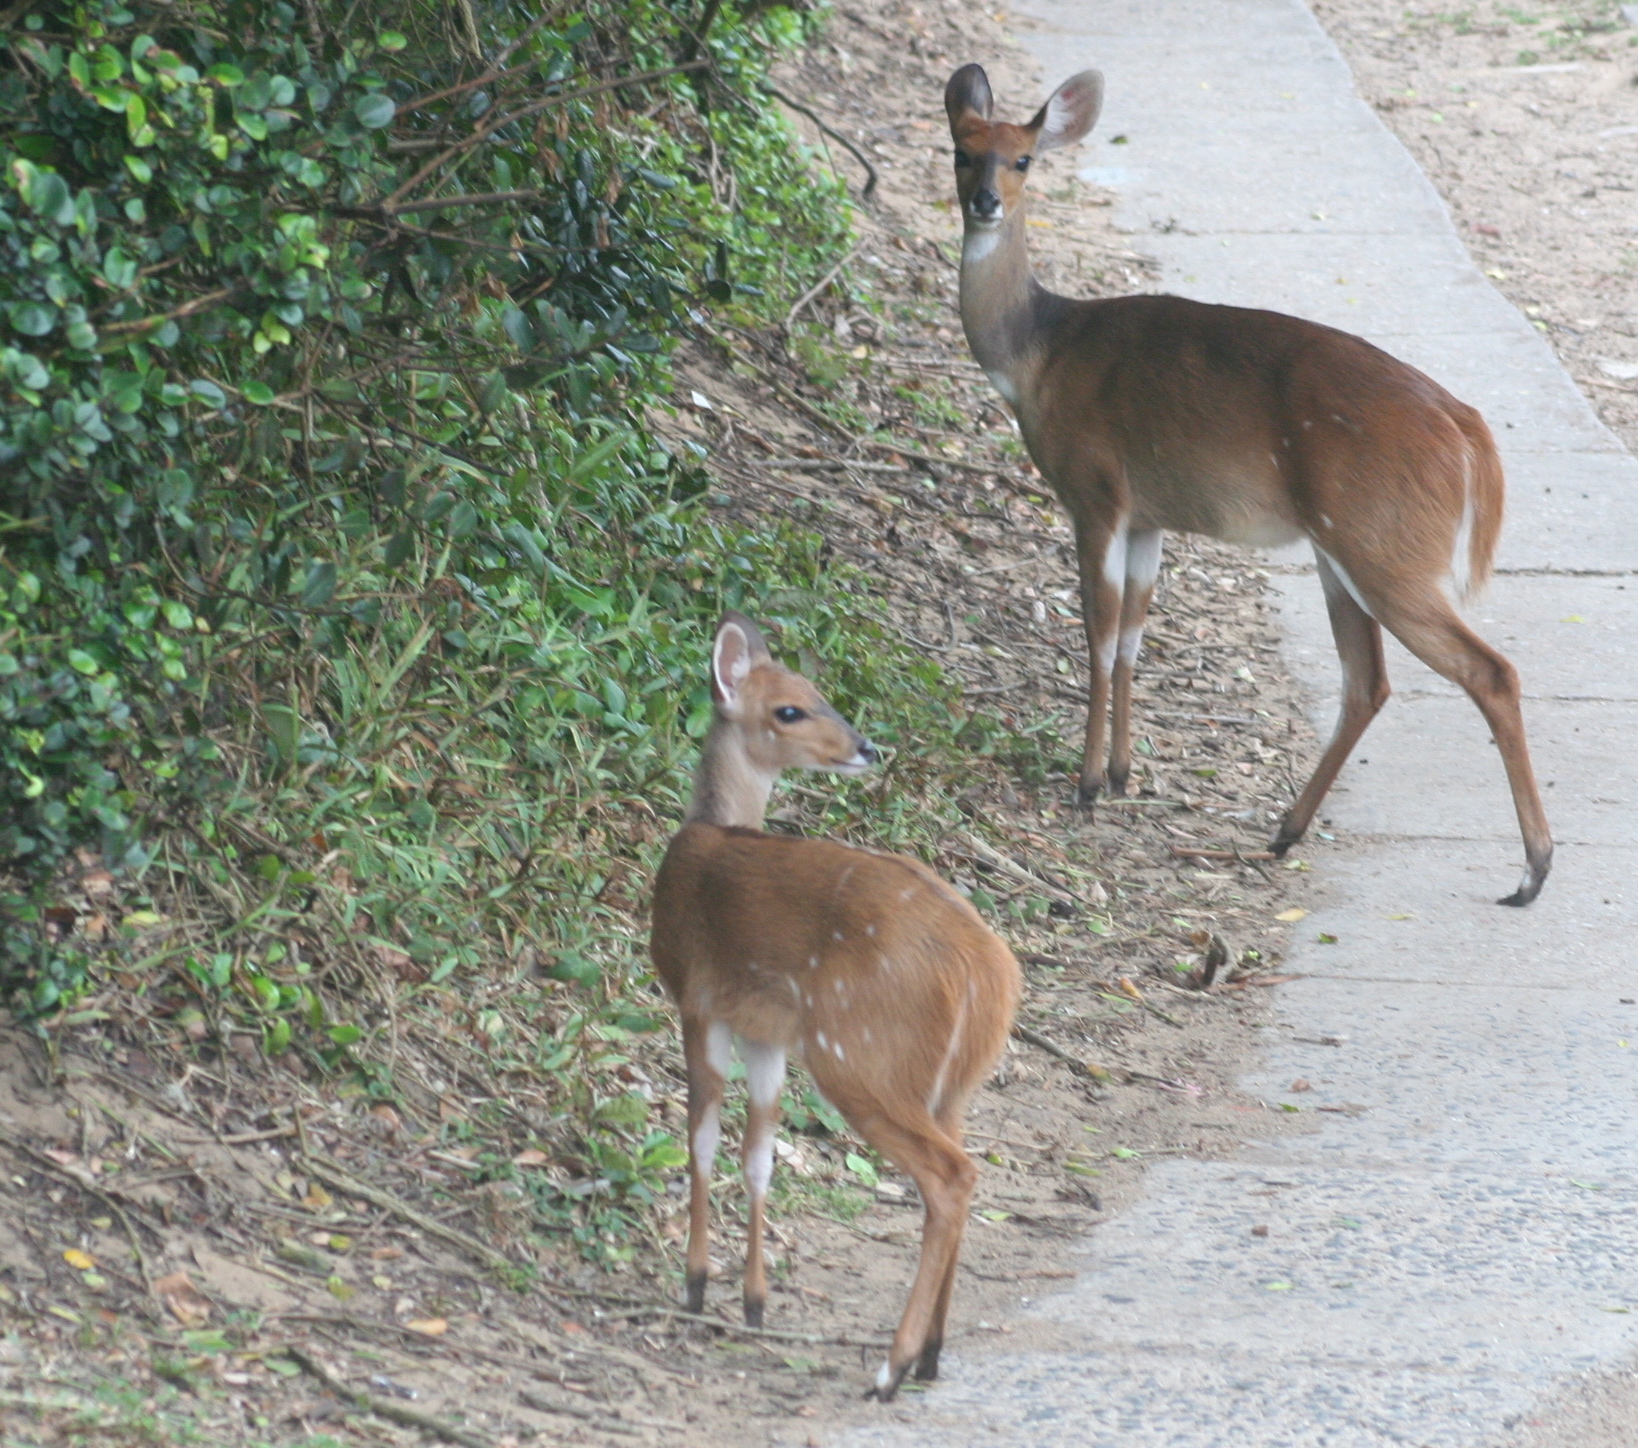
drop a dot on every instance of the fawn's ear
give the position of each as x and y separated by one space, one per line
1070 112
968 93
738 649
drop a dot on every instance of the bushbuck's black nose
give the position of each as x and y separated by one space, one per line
867 752
986 204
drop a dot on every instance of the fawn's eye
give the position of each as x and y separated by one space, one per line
790 714
963 159
1021 164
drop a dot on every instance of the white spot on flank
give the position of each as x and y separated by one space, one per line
1325 521
813 962
836 935
906 894
819 1036
809 998
836 1050
870 930
867 1035
841 987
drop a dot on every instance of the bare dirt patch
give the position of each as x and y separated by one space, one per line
193 1242
1526 119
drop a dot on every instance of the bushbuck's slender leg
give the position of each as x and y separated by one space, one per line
1429 627
945 1177
1364 691
950 1118
1101 551
764 1076
705 1049
1142 568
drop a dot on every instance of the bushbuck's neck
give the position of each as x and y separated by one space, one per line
728 788
999 295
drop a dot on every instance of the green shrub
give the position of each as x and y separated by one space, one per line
329 521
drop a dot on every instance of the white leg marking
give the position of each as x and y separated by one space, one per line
764 1075
884 1376
704 1145
718 1046
764 1071
1325 560
1143 557
1461 553
1114 560
1114 574
935 1097
1131 640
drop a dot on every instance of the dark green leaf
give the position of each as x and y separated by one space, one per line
320 585
374 111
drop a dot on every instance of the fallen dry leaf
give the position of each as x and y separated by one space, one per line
1301 1084
83 1261
428 1326
188 1305
317 1199
531 1157
1292 916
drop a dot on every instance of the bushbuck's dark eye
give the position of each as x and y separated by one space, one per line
963 159
790 714
1021 164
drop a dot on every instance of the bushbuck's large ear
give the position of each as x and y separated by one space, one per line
738 649
968 93
1070 112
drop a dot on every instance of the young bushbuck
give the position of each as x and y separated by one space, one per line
1153 412
895 993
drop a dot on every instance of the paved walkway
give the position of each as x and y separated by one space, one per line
1438 1266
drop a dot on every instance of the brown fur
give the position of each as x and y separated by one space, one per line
1148 413
881 977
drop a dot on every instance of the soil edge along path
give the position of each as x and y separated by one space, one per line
1453 1251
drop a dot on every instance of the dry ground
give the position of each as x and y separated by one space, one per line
1526 119
256 1258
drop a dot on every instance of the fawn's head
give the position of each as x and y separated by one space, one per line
782 720
992 157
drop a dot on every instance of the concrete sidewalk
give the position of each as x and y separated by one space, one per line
1440 1265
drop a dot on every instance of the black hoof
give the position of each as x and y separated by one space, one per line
1535 876
694 1293
1117 783
927 1363
1281 843
754 1311
1086 797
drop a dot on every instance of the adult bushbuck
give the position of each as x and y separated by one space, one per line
1153 412
895 993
